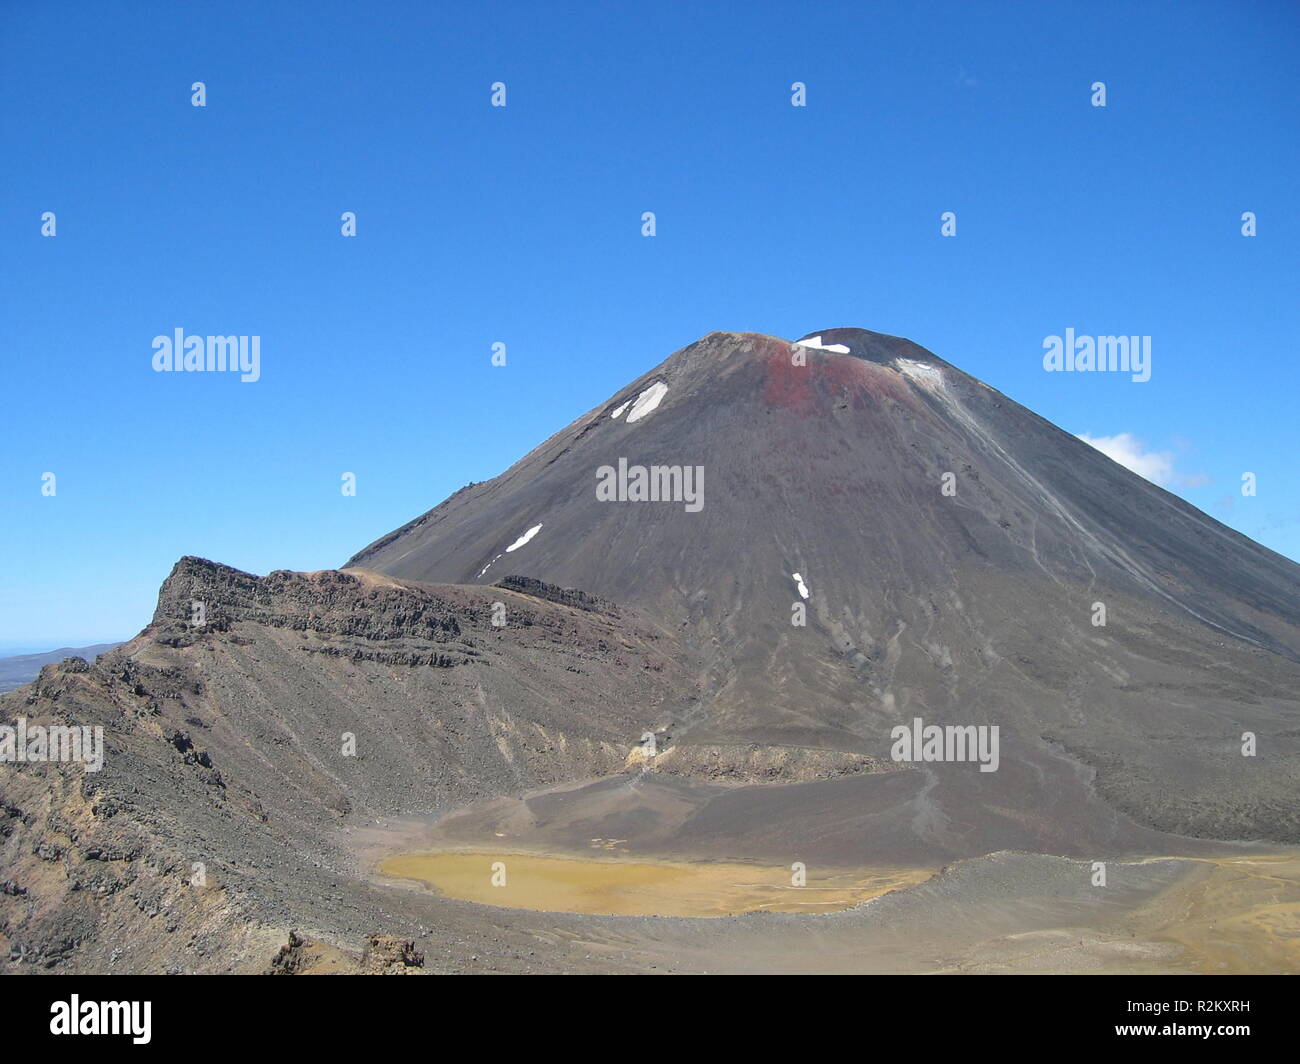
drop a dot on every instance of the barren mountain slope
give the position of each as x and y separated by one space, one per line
972 606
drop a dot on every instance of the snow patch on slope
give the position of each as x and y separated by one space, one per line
920 372
513 547
803 588
816 343
618 411
523 539
647 401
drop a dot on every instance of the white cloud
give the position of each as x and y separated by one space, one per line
1131 453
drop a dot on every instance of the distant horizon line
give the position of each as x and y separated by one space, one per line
22 650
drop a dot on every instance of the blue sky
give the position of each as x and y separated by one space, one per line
522 225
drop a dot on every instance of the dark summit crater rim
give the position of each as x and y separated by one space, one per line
879 348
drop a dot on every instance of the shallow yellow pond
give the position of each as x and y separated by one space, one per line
641 888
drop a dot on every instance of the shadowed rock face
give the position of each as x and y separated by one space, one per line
974 608
224 742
